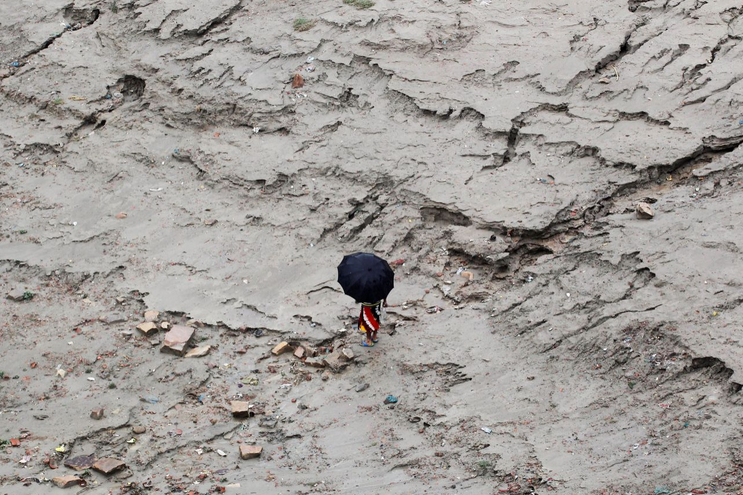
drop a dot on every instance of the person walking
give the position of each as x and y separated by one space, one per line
370 320
368 279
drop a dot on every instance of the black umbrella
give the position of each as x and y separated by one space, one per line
365 277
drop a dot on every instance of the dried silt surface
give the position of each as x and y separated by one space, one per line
557 187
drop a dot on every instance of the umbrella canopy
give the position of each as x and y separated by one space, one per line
365 277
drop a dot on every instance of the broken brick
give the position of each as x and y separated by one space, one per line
147 327
250 451
240 409
66 481
177 339
280 348
108 465
97 413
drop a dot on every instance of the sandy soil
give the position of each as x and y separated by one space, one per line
164 155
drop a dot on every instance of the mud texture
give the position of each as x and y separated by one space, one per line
213 160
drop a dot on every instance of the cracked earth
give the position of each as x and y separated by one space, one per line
214 161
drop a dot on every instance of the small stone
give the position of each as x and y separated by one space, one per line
325 376
199 351
165 325
121 215
66 481
280 348
108 465
315 362
97 413
177 339
151 315
15 442
250 451
240 409
139 429
61 373
299 352
347 353
310 352
16 295
210 222
644 211
468 275
120 299
361 387
147 328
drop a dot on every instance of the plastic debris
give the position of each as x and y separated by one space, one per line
390 399
486 430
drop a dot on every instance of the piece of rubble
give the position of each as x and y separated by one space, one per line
177 339
250 451
66 481
80 463
280 348
299 352
315 362
644 211
165 325
310 352
240 409
325 376
151 315
335 361
17 295
297 81
147 328
347 353
199 351
108 465
97 413
139 429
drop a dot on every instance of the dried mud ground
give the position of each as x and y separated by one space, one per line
164 155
